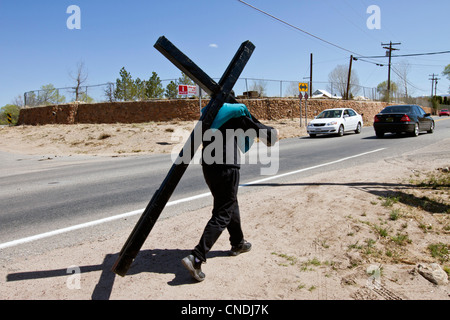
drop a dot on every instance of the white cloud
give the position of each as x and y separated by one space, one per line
213 45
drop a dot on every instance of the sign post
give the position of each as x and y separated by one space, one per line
302 87
300 96
306 109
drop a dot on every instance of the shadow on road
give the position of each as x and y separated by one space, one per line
164 261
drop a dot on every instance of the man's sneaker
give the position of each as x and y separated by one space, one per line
195 268
244 247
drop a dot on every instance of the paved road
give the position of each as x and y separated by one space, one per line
40 194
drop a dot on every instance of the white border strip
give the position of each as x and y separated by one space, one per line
171 203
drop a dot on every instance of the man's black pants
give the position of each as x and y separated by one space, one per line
223 181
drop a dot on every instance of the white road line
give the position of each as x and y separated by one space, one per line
170 203
309 168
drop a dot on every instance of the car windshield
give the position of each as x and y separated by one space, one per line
397 109
330 114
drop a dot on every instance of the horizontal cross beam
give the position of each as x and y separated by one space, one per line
186 65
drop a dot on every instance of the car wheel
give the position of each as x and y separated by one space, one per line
341 131
358 128
379 134
431 127
415 133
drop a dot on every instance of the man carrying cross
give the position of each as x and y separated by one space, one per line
222 177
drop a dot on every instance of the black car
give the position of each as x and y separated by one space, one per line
403 118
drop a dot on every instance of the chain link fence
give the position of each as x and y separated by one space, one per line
48 95
244 87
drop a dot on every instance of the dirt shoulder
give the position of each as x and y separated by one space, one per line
328 236
112 139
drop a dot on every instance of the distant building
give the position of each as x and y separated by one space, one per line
322 94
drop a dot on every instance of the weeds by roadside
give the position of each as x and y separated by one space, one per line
410 225
424 207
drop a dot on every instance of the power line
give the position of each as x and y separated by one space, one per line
408 55
358 56
405 79
309 33
375 63
297 28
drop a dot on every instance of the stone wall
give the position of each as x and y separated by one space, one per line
273 109
115 112
183 109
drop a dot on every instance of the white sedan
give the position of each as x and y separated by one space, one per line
335 121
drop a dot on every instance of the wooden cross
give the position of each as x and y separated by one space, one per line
219 92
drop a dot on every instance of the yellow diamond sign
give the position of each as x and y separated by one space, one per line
303 86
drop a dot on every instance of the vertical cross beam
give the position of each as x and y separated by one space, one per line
219 93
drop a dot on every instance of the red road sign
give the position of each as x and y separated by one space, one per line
182 90
187 90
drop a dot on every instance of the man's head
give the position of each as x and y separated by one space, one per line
231 97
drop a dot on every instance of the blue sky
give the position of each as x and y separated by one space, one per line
37 48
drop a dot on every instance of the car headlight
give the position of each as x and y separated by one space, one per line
332 123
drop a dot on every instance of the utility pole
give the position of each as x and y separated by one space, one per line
310 74
434 82
390 49
348 78
435 86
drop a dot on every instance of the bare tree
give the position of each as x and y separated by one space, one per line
292 89
260 86
109 92
80 77
338 79
18 101
402 70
